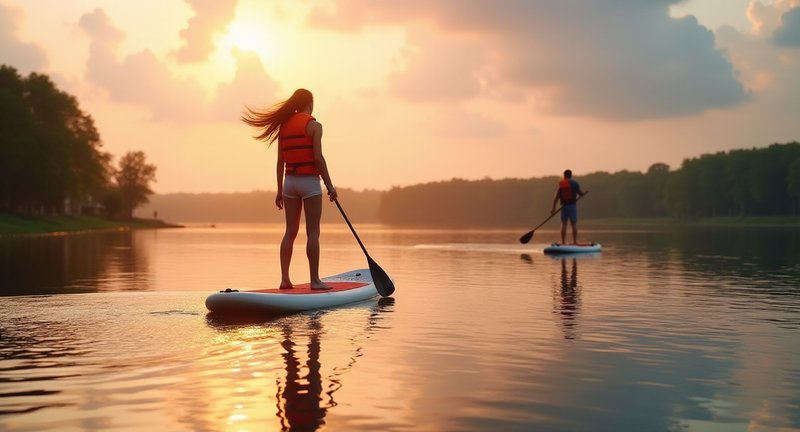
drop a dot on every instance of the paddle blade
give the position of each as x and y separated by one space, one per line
526 238
383 284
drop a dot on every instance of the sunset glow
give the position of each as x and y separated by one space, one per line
497 91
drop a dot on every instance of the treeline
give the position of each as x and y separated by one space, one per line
253 207
51 161
754 182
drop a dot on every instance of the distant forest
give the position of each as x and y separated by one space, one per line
253 207
752 182
755 182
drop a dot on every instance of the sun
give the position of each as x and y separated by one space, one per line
247 36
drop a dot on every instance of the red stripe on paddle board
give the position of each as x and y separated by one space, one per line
306 288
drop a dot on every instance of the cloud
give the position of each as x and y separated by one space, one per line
458 123
642 66
440 70
249 85
772 69
98 25
139 78
21 55
768 69
615 59
143 79
210 17
788 34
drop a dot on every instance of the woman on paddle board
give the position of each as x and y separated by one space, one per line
300 166
568 192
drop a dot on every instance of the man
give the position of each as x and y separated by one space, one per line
568 192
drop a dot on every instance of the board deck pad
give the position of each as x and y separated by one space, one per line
306 288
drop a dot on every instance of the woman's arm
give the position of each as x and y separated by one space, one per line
314 130
279 173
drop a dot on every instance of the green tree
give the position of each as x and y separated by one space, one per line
656 179
49 148
793 185
112 201
133 180
736 178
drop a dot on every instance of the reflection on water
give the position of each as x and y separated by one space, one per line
247 375
304 390
691 330
300 404
566 292
74 263
568 298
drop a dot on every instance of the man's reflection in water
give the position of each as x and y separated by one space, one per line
567 301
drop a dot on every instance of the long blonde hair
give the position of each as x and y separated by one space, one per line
272 119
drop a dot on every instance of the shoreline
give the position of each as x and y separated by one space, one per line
14 224
710 222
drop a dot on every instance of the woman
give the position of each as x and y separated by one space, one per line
300 165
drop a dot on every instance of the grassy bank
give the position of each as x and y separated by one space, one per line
17 224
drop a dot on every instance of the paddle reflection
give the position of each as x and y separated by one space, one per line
567 299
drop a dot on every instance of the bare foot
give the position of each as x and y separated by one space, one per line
286 285
320 286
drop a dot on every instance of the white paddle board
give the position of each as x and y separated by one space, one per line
348 287
556 248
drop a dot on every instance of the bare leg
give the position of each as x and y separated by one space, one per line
292 207
313 207
574 232
563 232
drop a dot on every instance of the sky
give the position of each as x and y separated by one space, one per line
419 90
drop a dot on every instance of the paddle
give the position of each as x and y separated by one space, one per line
528 235
383 284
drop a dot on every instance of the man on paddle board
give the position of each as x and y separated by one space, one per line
568 192
300 166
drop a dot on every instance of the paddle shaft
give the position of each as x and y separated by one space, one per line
383 283
351 227
548 218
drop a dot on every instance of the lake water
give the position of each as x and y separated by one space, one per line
674 330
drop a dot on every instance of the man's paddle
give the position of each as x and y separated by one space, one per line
528 235
383 284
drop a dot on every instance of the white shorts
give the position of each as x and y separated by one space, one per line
301 186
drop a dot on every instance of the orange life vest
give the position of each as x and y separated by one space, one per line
296 146
566 193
